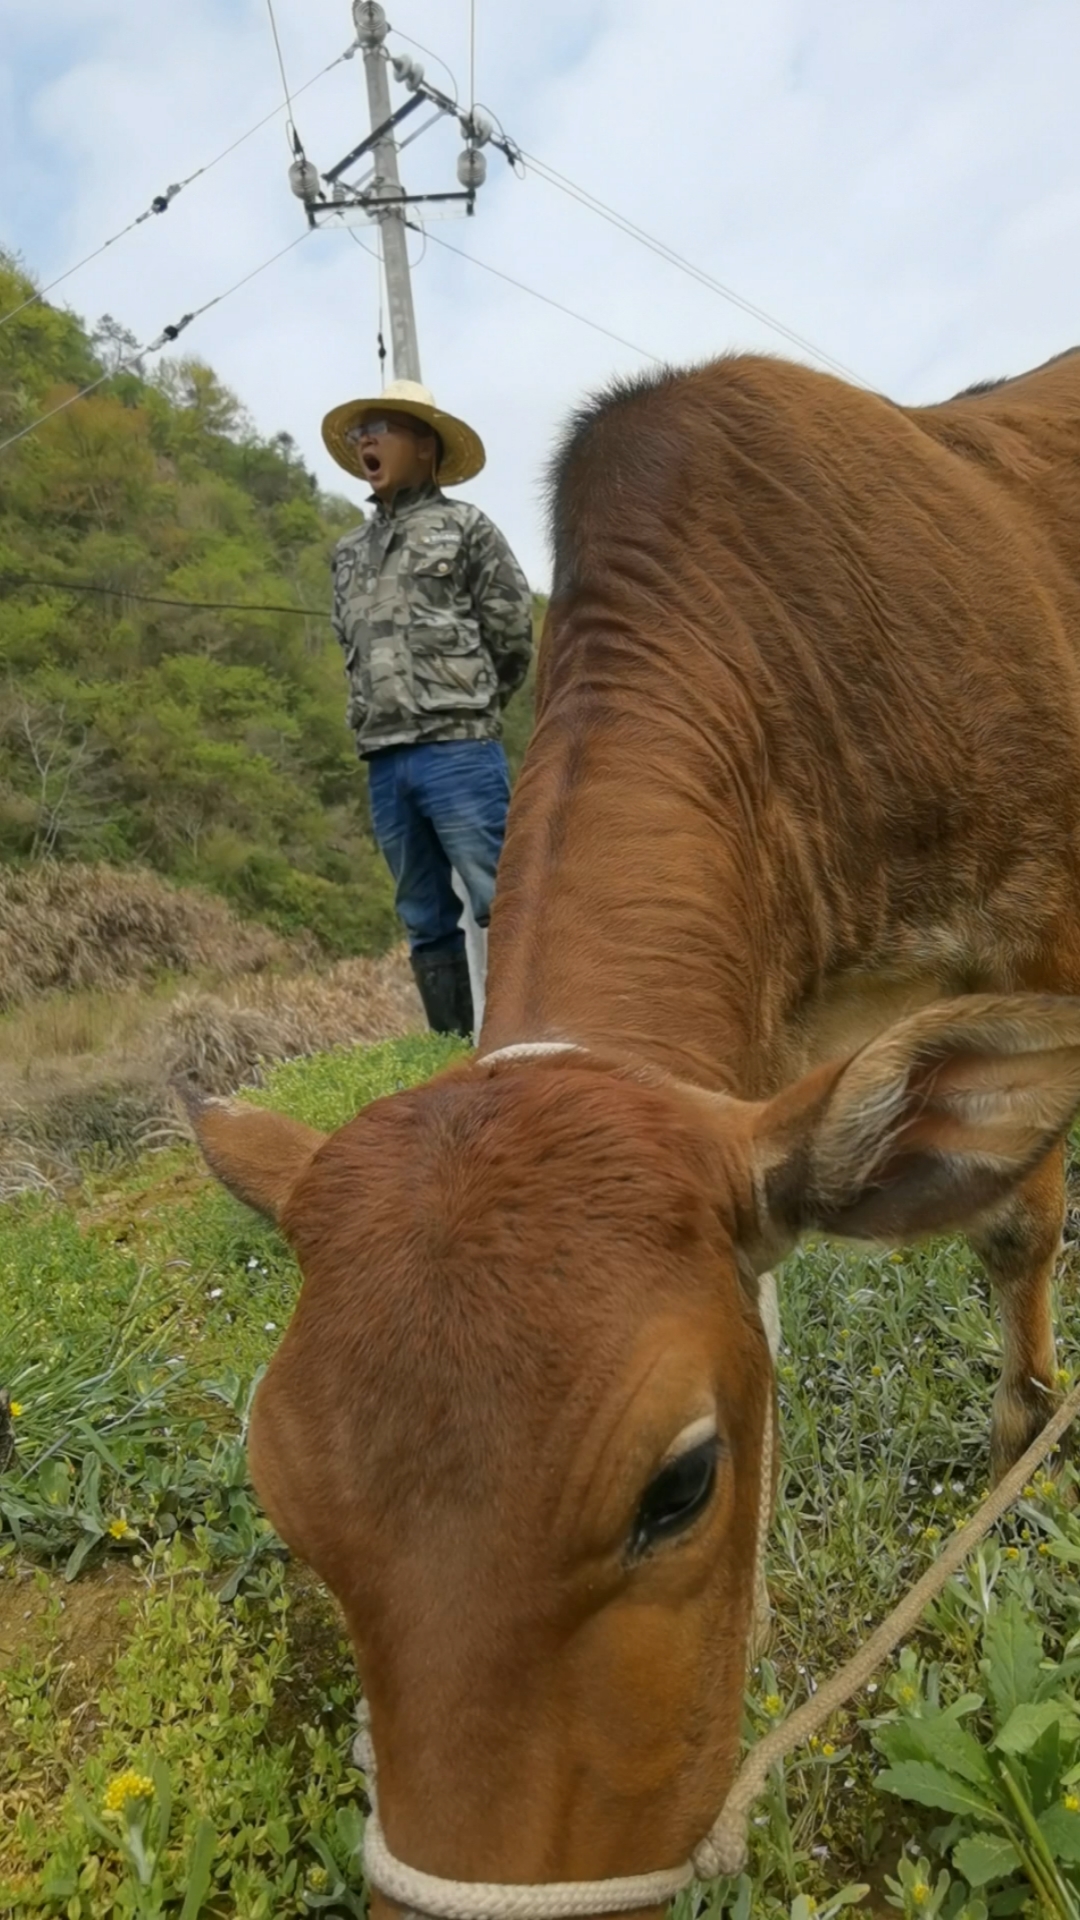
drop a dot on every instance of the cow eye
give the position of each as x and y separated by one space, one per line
680 1491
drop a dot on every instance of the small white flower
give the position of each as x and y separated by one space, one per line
872 1688
937 1488
270 1327
216 1293
252 1264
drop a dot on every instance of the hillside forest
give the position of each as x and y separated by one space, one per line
205 743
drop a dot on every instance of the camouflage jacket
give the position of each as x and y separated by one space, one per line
434 617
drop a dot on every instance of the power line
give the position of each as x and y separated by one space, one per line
12 582
162 201
280 56
661 248
290 123
545 297
164 339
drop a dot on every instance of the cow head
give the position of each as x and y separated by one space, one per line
519 1422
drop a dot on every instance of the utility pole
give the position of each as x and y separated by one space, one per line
381 198
369 20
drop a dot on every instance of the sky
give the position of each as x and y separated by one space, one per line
897 181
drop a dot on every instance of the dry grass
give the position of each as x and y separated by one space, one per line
86 1055
220 1039
72 929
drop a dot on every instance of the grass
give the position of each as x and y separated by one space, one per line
85 1076
176 1700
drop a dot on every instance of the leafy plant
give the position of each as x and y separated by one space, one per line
1012 1795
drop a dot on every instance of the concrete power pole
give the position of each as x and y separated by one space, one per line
370 22
369 19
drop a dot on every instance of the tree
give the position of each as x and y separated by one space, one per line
207 740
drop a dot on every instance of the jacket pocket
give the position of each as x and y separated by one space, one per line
451 671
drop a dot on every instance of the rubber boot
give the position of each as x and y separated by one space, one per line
443 983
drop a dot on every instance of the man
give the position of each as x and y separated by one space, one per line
435 619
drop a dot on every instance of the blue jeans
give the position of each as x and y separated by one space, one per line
434 807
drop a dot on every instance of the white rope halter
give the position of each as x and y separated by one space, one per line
723 1850
529 1050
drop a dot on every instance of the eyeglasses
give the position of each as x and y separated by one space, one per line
377 429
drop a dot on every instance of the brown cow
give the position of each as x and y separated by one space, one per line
806 769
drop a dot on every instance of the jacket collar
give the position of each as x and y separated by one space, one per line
406 501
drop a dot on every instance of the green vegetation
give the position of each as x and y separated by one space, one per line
209 745
176 1698
175 1718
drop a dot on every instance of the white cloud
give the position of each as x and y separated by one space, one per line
896 181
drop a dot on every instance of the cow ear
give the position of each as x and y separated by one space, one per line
257 1154
932 1124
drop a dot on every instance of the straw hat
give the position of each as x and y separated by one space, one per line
463 450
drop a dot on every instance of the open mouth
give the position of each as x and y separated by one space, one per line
371 463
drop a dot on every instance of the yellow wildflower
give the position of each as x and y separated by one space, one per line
876 1372
828 1749
907 1694
318 1879
1012 1553
920 1893
16 1408
931 1533
814 1743
772 1704
1043 1547
1029 1492
1072 1803
119 1529
1063 1377
125 1787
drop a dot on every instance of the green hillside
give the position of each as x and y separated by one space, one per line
206 743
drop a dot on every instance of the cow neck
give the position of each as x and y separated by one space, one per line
639 909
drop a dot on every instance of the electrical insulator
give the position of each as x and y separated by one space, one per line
408 71
369 19
477 128
471 169
304 179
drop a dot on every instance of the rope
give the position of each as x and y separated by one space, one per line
723 1851
724 1848
528 1050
